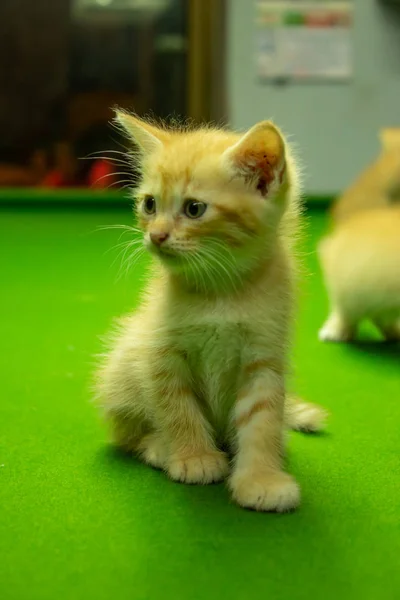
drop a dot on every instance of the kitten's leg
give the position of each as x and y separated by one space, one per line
258 481
126 429
152 449
130 429
120 397
192 454
337 329
304 416
134 435
389 328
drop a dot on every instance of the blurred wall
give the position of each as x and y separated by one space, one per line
334 125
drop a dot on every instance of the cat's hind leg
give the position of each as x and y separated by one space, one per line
127 430
121 399
152 448
135 434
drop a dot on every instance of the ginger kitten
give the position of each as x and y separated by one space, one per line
201 366
361 256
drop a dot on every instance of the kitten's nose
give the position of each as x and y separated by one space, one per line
159 237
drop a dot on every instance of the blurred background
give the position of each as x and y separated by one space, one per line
77 520
69 62
66 63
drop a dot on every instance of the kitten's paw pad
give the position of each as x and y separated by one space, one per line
334 332
153 451
204 468
308 417
277 491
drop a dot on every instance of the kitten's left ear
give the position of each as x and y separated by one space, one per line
259 157
145 135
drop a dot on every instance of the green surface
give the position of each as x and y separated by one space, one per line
79 521
34 196
68 197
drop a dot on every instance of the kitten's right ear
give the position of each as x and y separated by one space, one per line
259 157
147 137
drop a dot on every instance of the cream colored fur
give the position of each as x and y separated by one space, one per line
200 368
361 263
361 257
378 185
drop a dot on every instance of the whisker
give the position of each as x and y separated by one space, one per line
189 260
126 255
117 226
122 256
209 269
197 271
112 160
108 152
122 252
226 260
215 241
127 186
125 244
113 175
203 264
121 145
214 275
225 254
128 183
212 256
132 260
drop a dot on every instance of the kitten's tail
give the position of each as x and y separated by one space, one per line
304 416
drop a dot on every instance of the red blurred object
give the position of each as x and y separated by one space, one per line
101 175
56 179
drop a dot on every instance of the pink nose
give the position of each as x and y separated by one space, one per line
159 237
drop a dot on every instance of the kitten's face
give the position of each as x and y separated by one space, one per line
209 200
187 209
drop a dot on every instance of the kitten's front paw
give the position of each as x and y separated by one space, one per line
203 468
274 491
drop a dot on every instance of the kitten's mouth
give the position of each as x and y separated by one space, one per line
164 252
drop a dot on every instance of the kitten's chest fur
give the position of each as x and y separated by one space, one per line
214 354
212 348
218 336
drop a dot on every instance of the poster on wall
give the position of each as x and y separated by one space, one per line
304 41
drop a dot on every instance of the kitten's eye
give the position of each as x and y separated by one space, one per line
194 209
149 205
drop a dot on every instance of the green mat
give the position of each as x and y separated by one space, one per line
80 521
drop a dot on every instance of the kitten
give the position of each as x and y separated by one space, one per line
201 365
361 263
361 257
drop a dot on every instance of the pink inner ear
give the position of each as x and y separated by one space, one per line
264 165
